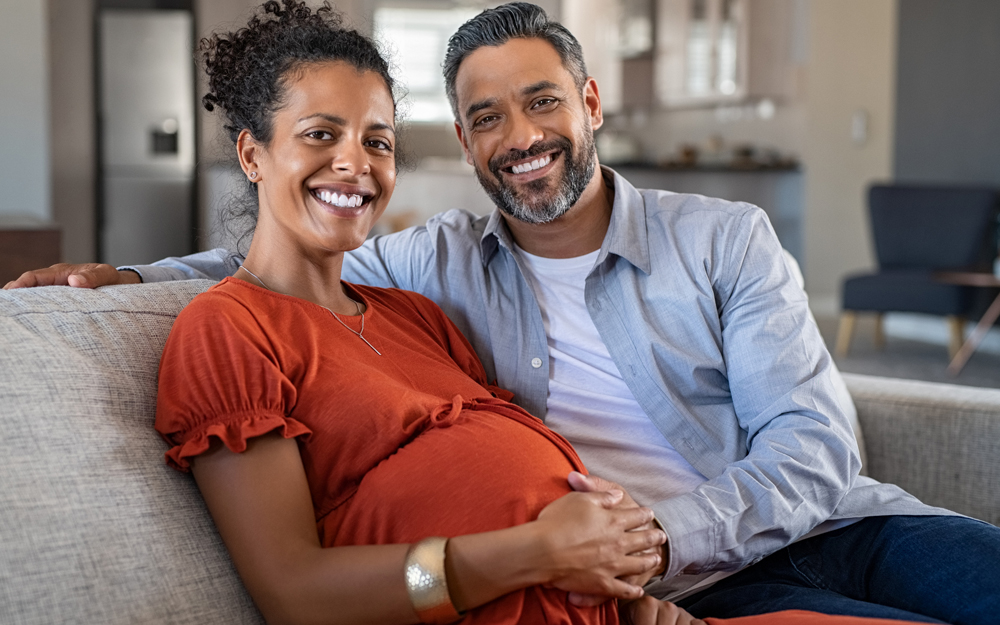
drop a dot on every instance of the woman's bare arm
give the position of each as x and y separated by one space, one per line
262 506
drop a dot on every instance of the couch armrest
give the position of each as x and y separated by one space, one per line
939 442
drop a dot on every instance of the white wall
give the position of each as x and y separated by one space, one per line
851 68
24 110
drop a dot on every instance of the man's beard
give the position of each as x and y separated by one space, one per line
531 204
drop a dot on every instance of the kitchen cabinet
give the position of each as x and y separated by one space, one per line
711 52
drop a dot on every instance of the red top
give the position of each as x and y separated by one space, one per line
397 447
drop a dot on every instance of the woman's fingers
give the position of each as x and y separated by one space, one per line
634 518
600 591
643 541
650 611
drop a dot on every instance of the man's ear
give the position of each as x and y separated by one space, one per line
465 146
248 151
592 103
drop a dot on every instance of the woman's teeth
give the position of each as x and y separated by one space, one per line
344 200
538 163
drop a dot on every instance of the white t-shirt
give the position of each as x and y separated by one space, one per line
589 402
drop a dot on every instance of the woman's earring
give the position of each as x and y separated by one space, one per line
253 175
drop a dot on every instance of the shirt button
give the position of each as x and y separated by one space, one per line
536 362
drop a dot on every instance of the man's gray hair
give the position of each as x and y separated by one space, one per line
495 27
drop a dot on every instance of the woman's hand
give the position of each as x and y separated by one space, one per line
650 611
86 276
590 541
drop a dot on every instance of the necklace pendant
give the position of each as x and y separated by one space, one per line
369 345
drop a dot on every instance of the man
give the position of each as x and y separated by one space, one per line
665 337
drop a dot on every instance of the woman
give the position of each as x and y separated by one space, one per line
334 428
329 425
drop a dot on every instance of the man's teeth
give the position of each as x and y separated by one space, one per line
342 200
533 165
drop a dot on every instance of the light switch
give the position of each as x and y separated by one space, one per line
859 127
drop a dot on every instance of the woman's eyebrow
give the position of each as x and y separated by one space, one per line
333 119
382 126
340 121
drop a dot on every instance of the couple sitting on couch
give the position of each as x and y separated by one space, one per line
335 430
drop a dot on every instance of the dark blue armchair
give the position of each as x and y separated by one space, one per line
919 230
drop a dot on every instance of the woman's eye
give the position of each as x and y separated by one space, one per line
379 144
320 135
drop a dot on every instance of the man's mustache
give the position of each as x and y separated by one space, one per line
504 160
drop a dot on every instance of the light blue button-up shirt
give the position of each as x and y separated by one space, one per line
711 333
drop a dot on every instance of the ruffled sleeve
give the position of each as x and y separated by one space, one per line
221 377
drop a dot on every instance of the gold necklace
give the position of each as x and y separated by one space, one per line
360 335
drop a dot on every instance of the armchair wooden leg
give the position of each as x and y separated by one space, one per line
844 332
879 332
956 325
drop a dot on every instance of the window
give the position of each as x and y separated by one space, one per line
713 47
702 49
416 40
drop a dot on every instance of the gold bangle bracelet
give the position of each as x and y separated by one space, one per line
427 583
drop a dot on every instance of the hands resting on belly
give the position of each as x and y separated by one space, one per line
646 610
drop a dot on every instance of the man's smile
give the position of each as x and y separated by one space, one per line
532 168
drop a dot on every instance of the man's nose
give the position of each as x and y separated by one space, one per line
522 132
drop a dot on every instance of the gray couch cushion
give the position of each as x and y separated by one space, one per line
938 442
95 528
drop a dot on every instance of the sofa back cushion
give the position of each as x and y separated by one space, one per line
95 528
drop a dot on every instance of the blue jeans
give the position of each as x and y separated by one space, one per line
924 569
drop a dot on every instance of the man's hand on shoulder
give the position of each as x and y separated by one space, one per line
86 276
592 483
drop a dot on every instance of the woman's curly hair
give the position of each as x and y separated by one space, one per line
249 71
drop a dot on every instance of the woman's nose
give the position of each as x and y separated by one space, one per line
352 159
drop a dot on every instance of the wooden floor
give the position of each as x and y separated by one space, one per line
902 358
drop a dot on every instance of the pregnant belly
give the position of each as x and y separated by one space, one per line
487 469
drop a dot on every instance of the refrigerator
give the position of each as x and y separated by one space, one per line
146 129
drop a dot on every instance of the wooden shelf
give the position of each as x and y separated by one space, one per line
27 243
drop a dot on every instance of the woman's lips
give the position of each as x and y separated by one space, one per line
341 200
342 204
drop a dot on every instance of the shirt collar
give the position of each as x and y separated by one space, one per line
626 236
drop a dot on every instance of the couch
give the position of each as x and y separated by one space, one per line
94 528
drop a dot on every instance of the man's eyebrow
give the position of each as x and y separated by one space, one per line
340 121
540 86
478 106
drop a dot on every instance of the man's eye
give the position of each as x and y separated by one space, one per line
486 119
544 102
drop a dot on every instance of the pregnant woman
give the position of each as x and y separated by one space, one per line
332 428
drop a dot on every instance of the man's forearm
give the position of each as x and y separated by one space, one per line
210 265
